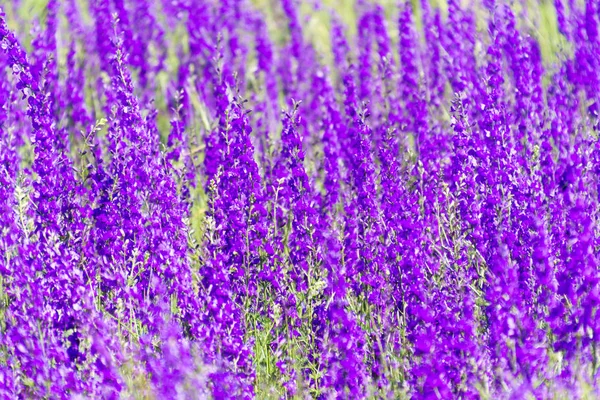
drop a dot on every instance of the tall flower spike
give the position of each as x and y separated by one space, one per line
340 338
433 59
233 262
9 236
364 255
415 109
295 205
578 282
384 90
65 307
330 125
365 38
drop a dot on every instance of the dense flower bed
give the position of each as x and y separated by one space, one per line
421 220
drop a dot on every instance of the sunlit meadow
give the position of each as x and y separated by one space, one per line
296 199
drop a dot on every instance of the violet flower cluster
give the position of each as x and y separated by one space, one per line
299 199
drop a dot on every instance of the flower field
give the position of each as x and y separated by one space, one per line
296 199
